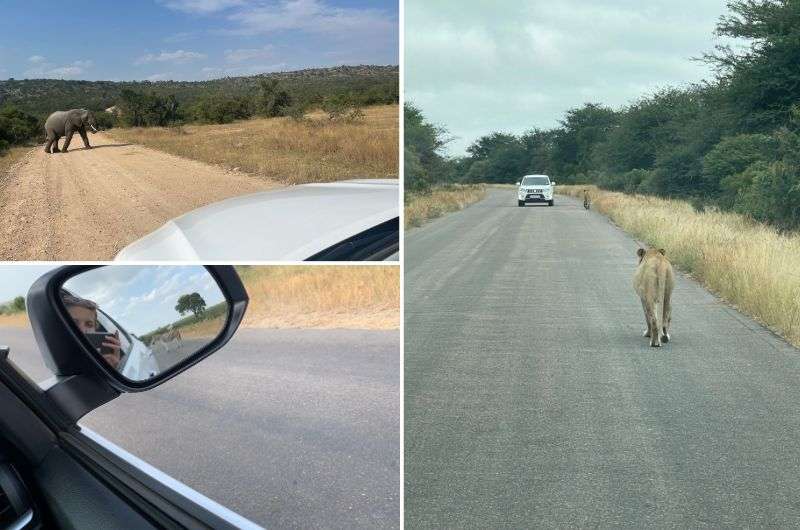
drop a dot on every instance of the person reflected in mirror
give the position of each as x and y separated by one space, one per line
84 314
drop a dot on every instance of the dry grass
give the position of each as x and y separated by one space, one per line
16 320
307 296
748 264
288 151
422 208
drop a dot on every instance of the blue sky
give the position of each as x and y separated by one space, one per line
143 298
140 298
191 39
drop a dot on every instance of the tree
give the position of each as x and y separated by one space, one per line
191 302
761 79
581 131
271 100
423 157
18 304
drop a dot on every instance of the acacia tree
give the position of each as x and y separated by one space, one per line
191 302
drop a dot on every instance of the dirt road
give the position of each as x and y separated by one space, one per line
88 204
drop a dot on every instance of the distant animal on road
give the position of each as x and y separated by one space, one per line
168 340
653 282
586 202
66 123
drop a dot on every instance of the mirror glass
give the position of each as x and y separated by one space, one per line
143 320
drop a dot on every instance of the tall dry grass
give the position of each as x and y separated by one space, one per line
15 320
315 149
441 200
307 296
748 264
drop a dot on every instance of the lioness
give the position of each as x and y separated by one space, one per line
653 282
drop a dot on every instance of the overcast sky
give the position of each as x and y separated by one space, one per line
483 66
191 39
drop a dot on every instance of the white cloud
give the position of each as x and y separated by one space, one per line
201 7
43 69
178 56
475 68
249 54
312 16
159 77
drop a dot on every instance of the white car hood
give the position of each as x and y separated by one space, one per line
290 224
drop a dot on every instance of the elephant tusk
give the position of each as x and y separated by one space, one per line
93 129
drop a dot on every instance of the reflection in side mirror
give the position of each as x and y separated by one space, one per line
142 320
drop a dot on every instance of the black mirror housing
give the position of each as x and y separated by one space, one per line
82 381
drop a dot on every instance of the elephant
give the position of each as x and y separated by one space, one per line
66 123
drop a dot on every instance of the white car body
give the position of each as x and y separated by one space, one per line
291 224
535 188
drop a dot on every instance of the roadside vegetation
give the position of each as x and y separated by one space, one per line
430 190
340 92
12 313
751 265
313 148
731 143
323 297
17 128
440 200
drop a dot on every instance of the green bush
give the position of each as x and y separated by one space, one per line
17 127
272 101
773 195
222 109
729 158
139 109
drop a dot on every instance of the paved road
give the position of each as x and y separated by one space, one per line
291 428
533 401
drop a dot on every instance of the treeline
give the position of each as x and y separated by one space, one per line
732 142
17 305
340 91
365 85
270 100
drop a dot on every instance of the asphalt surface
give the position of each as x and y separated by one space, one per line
290 428
533 401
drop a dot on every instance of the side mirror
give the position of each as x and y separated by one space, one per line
552 183
111 329
517 183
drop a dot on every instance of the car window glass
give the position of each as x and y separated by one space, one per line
535 181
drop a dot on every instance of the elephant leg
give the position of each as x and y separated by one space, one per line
85 138
67 140
47 145
55 149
